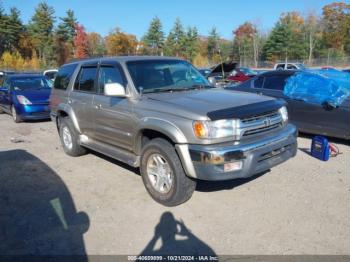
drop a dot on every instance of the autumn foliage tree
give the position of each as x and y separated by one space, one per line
336 19
119 43
81 42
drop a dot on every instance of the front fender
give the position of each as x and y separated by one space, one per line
163 126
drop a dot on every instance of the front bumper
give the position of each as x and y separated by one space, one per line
206 162
33 112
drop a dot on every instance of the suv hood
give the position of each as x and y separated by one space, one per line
210 103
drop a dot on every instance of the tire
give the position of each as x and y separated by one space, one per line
14 114
182 187
70 145
1 111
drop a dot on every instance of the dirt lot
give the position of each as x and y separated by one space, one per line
47 199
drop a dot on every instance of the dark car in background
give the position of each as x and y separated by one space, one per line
25 97
204 71
309 118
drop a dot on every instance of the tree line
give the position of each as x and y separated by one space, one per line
47 41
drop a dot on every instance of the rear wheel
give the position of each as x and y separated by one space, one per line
14 114
163 175
69 138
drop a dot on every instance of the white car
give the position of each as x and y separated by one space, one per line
289 66
50 74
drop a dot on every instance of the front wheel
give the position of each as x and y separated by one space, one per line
14 114
163 175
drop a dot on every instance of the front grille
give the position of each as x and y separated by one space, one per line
274 153
260 123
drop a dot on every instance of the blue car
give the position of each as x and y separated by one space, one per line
25 97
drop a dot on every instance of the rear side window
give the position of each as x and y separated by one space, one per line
275 82
280 66
258 83
64 75
86 79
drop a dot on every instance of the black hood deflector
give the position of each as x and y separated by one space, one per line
247 110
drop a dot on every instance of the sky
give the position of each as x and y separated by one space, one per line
134 16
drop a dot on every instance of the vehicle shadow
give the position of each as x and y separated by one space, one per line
212 186
37 212
176 239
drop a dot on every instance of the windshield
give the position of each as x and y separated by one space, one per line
30 83
247 71
165 75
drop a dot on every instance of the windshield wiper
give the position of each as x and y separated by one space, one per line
170 89
201 86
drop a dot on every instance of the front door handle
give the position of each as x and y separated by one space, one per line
98 106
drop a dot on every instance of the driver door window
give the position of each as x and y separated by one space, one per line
107 75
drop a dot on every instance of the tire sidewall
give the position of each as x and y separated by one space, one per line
159 197
64 122
15 119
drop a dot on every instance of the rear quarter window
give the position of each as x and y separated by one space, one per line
275 82
64 75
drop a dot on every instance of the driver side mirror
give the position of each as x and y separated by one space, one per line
212 80
114 89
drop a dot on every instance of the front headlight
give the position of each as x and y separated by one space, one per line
23 100
284 114
216 129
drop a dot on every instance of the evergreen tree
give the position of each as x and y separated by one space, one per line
213 43
191 43
41 31
64 38
175 43
3 28
14 29
66 28
287 40
154 38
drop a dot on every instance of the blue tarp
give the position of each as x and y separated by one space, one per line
319 86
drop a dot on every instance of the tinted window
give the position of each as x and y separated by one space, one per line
280 66
275 82
63 76
109 74
258 83
86 79
289 66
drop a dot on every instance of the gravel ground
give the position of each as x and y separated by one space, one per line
53 203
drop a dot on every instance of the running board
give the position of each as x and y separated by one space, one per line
111 151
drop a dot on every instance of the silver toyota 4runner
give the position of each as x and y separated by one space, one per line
161 115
